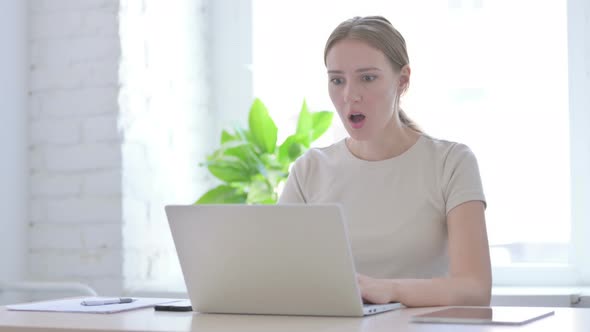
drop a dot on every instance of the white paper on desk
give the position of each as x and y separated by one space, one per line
74 305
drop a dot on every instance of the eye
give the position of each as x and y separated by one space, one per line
369 78
337 80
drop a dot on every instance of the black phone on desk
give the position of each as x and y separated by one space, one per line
184 305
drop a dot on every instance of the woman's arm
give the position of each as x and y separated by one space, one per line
470 277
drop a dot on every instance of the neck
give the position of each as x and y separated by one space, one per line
394 140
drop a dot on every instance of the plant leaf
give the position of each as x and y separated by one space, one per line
305 124
321 122
291 149
262 127
227 148
232 145
260 192
271 161
249 161
223 194
227 137
237 149
229 169
284 149
296 150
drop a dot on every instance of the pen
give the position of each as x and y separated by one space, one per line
117 300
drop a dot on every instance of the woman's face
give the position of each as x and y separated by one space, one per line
363 88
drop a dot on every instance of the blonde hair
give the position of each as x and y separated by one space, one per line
378 32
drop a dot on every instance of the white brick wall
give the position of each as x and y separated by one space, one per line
75 230
73 103
90 263
105 183
63 236
55 131
118 124
46 185
73 18
79 75
82 157
101 128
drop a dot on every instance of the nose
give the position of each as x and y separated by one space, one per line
352 94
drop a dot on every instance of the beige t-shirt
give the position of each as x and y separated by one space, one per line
395 209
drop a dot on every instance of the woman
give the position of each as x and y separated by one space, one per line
414 205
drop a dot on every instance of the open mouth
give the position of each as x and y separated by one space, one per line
356 118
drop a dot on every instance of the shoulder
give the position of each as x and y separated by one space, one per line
447 152
458 173
321 156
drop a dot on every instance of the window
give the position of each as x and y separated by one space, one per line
490 74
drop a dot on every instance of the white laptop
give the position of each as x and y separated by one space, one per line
268 259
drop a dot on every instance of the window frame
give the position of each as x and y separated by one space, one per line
579 107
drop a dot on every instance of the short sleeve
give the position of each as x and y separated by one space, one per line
461 179
292 192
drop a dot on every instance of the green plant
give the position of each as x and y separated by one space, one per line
250 163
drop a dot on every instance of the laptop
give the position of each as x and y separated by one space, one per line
268 259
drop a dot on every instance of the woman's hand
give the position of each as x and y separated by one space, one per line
376 291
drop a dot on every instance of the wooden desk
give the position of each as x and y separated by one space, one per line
148 320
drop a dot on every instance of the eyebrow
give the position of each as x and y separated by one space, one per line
360 70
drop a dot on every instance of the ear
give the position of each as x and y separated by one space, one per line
404 77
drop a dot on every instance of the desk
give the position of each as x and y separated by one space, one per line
148 320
